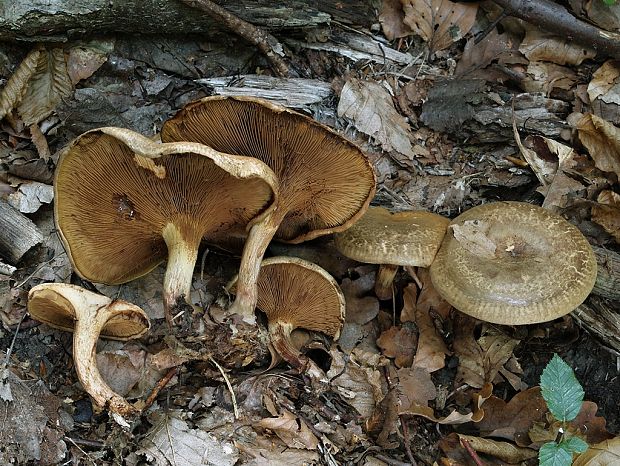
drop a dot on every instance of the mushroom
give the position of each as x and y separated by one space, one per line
295 293
409 238
89 315
326 182
124 203
513 263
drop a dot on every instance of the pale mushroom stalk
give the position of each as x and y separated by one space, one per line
385 280
89 315
182 256
89 322
256 244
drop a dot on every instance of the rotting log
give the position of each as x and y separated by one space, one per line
17 233
608 275
599 317
59 20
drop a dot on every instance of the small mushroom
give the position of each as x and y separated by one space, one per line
89 315
295 293
124 203
513 263
409 238
326 182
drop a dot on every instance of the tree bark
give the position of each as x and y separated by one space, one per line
59 20
17 233
599 317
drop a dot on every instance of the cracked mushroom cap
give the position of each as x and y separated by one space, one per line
326 182
513 263
59 305
124 203
401 238
300 294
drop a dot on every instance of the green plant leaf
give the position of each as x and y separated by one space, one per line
574 445
551 454
609 2
561 390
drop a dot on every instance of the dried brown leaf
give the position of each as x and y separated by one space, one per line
432 350
602 140
503 450
391 19
40 142
16 86
399 343
439 22
31 195
480 361
472 235
46 87
291 430
360 309
591 426
415 387
607 213
266 452
545 77
605 83
605 453
83 61
122 368
369 105
540 45
494 47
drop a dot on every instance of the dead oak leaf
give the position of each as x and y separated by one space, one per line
602 139
291 430
415 387
399 343
607 213
439 22
606 453
391 19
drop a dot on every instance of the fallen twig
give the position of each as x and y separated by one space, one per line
229 385
552 17
160 385
265 42
472 452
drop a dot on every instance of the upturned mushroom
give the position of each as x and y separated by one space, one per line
513 263
89 315
326 182
124 203
409 238
294 293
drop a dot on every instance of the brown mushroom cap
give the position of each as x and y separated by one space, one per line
401 238
326 182
300 294
58 305
513 263
124 203
89 315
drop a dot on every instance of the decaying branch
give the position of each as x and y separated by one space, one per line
552 17
266 43
598 317
17 233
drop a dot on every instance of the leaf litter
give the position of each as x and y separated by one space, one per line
397 370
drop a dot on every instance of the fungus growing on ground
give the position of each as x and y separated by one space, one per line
294 293
409 238
513 263
326 182
124 203
89 315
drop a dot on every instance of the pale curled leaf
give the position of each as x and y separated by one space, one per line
606 453
15 87
369 106
602 139
30 196
292 431
46 88
439 22
503 450
540 45
605 83
172 441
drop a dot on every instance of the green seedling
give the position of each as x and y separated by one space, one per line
564 396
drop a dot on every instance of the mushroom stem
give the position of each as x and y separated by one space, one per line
385 278
182 257
280 336
256 244
89 322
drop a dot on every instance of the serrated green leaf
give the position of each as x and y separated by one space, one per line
561 390
551 454
574 445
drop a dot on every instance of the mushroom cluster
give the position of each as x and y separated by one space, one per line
505 262
124 203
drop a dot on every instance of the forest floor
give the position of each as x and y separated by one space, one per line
448 123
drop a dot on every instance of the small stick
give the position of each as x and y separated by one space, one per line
229 385
472 452
265 42
406 438
158 388
10 350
